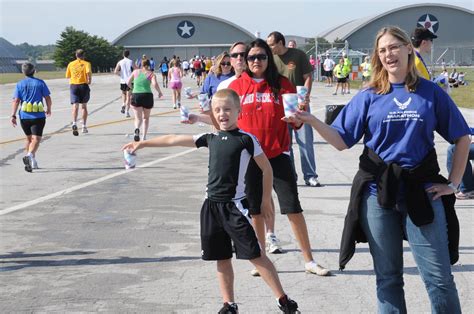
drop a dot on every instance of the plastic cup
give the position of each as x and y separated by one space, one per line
204 102
130 159
184 111
290 104
301 91
188 92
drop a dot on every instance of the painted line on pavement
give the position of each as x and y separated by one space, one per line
89 183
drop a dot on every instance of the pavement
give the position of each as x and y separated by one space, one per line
82 234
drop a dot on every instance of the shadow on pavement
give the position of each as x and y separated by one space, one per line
92 262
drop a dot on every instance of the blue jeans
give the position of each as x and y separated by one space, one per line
304 139
384 229
467 183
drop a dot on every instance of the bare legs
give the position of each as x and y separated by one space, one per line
225 276
32 144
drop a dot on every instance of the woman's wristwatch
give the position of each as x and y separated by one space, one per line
452 186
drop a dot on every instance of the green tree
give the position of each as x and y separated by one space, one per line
98 51
323 45
37 52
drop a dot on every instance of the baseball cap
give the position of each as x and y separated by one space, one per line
421 33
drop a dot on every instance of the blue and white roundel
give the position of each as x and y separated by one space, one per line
185 29
429 22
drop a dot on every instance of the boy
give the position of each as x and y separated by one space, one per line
224 214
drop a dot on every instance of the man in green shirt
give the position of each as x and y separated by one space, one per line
347 72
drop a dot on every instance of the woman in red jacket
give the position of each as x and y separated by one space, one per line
260 89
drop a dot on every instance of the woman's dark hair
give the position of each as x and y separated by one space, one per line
271 74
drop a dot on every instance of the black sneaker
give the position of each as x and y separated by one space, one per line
123 109
287 305
75 132
27 162
136 138
229 309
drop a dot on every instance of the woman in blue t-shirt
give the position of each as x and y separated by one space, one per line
398 192
29 97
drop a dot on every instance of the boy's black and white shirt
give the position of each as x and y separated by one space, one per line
229 156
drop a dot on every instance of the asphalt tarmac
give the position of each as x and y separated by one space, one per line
82 234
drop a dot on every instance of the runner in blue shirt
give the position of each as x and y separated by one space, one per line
29 97
398 190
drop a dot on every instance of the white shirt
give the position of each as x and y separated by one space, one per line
328 64
126 68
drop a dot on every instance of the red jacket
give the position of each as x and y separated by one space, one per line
261 113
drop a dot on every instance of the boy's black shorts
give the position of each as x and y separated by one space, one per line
223 223
284 184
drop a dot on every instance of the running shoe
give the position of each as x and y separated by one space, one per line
254 272
123 109
85 130
465 195
287 305
127 115
136 138
74 130
27 162
313 268
273 244
313 181
34 163
174 106
229 309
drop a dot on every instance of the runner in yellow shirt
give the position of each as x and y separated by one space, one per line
80 76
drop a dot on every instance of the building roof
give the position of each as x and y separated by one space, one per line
115 41
9 51
343 31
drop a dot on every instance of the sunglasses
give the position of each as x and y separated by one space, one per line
237 54
225 64
259 57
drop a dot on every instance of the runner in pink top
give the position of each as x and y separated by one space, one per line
175 74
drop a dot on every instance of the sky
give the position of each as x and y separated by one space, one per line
40 22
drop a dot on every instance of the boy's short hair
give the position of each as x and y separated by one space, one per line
28 69
229 95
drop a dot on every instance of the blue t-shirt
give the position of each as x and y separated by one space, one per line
399 126
31 90
212 81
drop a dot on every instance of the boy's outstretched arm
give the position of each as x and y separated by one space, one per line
267 182
162 141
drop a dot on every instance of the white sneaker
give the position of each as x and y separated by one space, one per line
273 244
84 130
313 182
34 163
254 272
313 268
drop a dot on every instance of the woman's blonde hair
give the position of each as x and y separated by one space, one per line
218 66
379 78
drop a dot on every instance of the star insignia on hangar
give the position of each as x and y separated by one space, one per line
185 29
429 22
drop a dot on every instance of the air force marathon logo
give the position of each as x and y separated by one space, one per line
185 29
429 22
